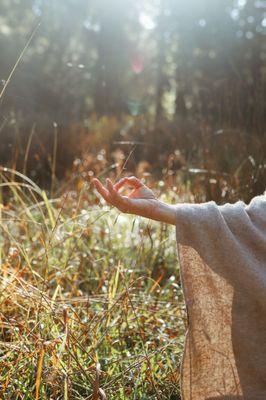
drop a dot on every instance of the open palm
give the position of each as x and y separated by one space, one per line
140 201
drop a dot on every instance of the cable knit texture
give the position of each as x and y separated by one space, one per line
222 253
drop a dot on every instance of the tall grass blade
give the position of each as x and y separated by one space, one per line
18 60
39 374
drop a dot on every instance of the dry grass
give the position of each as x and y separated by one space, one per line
91 303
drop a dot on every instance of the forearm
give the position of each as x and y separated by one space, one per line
158 211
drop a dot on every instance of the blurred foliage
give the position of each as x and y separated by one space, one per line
167 76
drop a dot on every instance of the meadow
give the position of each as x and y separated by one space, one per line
91 300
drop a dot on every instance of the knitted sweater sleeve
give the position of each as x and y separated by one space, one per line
222 233
222 254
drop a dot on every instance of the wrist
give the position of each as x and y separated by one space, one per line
164 212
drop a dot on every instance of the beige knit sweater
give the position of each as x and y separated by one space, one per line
222 253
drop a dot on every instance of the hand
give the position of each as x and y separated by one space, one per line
141 201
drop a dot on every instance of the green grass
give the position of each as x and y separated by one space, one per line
91 303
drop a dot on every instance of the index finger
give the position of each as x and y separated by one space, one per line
130 180
119 184
135 182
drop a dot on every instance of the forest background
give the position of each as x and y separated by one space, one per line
180 85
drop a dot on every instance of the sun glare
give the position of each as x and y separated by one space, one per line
146 21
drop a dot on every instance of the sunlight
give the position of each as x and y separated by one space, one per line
146 21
